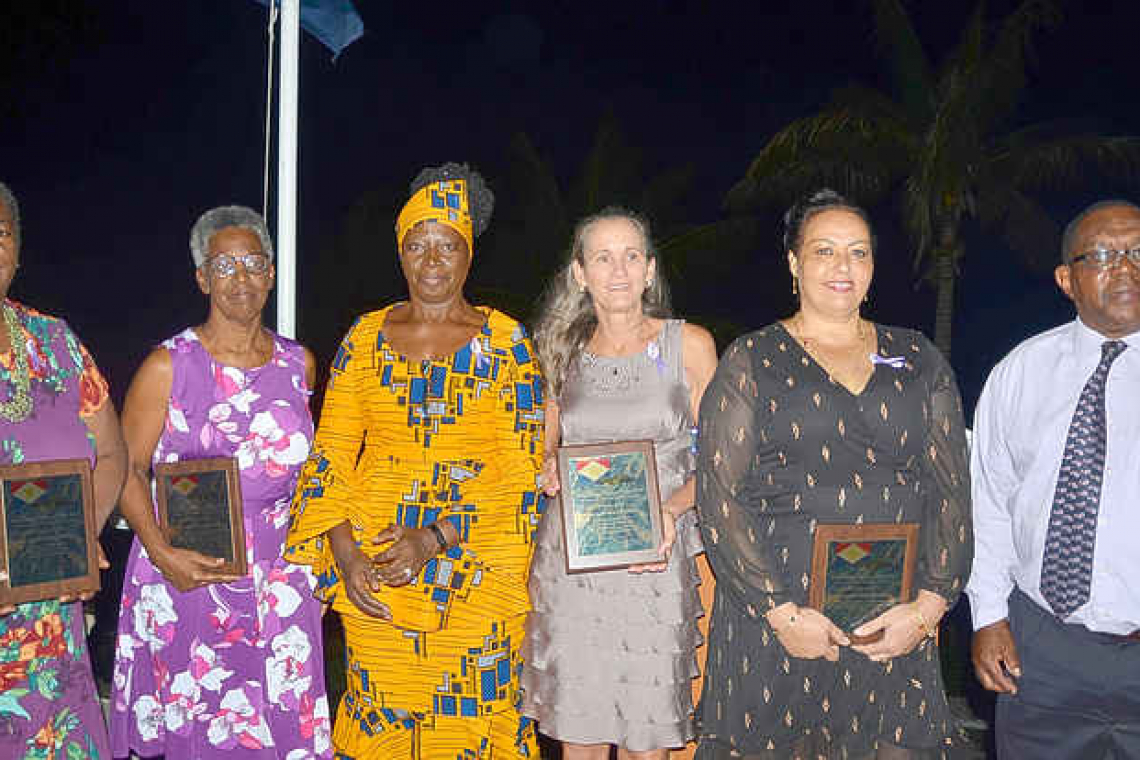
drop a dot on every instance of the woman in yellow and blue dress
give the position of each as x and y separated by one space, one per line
418 504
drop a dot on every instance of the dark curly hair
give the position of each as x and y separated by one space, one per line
796 217
480 199
8 198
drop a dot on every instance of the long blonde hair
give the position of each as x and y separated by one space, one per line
567 318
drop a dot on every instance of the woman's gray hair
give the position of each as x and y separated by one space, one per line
567 318
8 198
217 219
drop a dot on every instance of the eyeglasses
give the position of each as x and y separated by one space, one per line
225 264
1107 258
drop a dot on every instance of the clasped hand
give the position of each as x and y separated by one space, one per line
398 565
809 634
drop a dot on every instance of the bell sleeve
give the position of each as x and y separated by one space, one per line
326 484
947 536
735 533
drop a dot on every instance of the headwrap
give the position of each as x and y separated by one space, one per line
445 202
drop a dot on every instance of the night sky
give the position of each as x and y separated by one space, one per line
122 121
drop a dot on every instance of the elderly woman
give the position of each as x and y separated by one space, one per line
609 655
210 664
418 503
828 418
54 406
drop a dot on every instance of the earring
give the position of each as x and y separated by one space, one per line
581 287
648 283
795 285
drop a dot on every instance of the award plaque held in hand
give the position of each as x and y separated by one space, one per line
611 506
200 508
860 571
47 518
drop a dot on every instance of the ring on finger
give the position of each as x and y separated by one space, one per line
408 573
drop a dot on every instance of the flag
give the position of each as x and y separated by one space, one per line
334 22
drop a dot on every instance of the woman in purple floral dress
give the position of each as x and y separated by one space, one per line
209 664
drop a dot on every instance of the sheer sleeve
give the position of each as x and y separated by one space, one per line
734 531
947 542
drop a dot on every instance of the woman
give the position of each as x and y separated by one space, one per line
608 656
828 418
210 664
418 503
54 406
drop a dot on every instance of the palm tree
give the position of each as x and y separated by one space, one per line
944 141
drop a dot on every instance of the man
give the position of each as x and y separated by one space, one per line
1055 587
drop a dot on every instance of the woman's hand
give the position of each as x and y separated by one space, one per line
903 627
410 550
361 581
806 633
668 537
187 570
548 476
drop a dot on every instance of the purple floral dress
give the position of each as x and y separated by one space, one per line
236 669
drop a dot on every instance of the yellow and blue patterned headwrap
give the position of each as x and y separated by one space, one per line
445 202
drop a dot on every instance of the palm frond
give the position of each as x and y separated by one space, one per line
840 148
1035 159
909 65
1006 64
1023 224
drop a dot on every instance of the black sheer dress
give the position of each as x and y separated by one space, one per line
783 448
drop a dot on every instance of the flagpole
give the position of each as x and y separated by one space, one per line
287 169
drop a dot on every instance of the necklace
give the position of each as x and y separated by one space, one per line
17 408
619 350
798 323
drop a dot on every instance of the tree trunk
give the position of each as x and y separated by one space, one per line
945 257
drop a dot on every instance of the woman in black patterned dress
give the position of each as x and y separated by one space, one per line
828 418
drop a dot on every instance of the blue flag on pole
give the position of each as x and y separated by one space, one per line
334 22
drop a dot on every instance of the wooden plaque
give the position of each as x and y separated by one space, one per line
200 508
47 518
611 505
860 571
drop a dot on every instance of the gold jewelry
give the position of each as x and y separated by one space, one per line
798 321
17 408
795 285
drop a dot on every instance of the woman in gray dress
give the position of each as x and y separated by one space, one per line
609 654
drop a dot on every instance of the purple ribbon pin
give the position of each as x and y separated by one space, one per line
481 358
894 362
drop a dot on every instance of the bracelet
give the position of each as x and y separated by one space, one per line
927 631
439 537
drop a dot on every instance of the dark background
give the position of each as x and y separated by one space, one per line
123 121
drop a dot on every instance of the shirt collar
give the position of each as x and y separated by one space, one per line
1087 341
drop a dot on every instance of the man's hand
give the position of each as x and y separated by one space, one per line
995 658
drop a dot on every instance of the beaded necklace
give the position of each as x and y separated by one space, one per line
17 408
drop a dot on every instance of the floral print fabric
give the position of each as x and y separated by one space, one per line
48 704
237 667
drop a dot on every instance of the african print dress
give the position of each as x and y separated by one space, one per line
784 448
48 704
229 670
412 443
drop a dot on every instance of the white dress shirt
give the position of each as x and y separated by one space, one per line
1020 426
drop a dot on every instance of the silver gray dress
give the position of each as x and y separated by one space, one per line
608 655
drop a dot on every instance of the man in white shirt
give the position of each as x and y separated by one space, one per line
1055 585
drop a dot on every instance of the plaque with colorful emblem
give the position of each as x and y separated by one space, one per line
200 508
611 505
860 571
47 514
